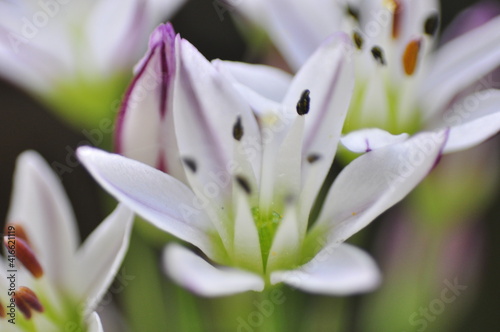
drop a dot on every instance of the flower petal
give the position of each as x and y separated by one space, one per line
94 323
285 249
206 108
246 248
270 82
148 104
163 200
198 276
329 76
376 181
336 270
40 205
461 62
145 102
297 27
98 259
366 140
107 40
473 125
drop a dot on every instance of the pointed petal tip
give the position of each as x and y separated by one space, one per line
164 33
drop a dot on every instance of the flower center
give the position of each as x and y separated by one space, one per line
267 224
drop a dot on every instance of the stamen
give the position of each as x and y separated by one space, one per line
304 103
244 184
410 56
358 40
18 231
25 255
353 12
397 14
29 297
313 157
378 55
190 163
238 129
2 311
431 24
22 306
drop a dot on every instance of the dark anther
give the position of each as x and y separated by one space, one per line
353 12
303 104
378 55
238 129
313 157
190 163
431 24
358 40
244 184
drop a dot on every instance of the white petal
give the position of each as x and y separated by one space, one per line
246 237
97 261
94 323
298 27
198 276
40 205
270 82
336 270
376 181
144 106
145 128
461 62
158 10
329 76
365 140
114 46
206 107
474 119
163 200
288 159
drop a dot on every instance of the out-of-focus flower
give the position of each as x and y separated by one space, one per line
75 54
253 174
402 86
55 284
432 275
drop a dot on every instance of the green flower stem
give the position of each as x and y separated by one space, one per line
144 302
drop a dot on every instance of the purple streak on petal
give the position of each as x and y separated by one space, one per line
123 108
440 154
161 164
471 18
368 149
162 38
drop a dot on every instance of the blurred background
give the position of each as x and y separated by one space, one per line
472 252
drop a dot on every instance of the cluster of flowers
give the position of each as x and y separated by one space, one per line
230 157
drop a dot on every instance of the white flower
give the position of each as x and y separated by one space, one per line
49 42
55 284
252 177
402 84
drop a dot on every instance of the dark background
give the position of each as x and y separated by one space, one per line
26 124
